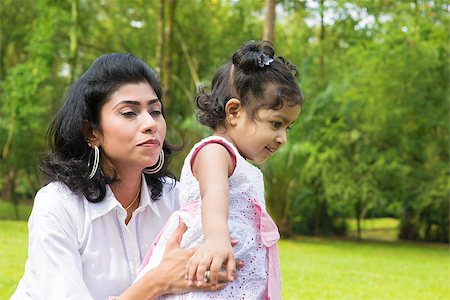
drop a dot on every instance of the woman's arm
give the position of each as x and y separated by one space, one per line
54 266
211 167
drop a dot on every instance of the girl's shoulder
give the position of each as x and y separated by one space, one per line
214 139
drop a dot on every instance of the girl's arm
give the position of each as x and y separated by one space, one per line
212 167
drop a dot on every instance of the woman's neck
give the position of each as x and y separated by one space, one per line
127 188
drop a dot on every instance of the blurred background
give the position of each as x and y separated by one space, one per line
367 160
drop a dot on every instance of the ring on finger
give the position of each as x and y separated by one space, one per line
207 274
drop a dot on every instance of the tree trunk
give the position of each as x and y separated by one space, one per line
9 138
73 41
408 226
9 185
269 21
358 219
167 55
159 36
321 45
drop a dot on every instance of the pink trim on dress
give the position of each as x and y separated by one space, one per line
269 236
215 141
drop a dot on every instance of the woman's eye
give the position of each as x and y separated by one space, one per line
128 113
155 113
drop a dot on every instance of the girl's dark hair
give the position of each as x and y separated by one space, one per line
69 154
254 76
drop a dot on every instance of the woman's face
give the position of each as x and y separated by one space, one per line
132 128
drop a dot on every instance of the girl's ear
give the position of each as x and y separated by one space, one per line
233 110
91 135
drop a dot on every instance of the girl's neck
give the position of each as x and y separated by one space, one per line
223 133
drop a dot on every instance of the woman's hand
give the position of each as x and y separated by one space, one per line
172 267
169 277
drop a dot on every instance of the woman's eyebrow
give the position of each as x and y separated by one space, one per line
136 103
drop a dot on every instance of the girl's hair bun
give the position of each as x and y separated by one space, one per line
253 56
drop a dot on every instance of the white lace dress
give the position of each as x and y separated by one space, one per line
246 191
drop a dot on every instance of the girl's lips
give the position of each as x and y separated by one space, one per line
270 150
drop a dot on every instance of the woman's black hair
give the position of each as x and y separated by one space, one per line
69 154
254 76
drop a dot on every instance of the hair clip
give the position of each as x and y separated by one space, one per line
265 60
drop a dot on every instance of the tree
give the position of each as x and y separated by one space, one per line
269 21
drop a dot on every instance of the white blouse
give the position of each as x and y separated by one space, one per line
83 250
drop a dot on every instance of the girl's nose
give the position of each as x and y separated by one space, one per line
281 138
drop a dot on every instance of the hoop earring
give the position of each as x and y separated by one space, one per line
156 168
96 162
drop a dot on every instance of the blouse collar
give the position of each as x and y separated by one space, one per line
110 202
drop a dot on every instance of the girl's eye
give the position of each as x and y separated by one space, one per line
276 124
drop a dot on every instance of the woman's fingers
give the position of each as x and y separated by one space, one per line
177 235
207 287
239 263
231 267
214 271
223 278
191 270
202 267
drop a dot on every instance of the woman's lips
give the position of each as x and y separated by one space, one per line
150 143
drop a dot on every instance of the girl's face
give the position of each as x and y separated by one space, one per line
257 139
132 128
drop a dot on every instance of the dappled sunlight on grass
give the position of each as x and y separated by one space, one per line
385 229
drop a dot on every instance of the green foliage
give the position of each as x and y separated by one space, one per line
373 136
374 131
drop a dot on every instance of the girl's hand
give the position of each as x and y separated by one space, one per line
214 253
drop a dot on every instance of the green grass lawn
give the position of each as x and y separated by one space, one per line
312 268
9 212
13 253
316 268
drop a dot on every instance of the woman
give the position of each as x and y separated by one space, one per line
109 192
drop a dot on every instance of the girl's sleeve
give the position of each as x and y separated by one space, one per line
53 251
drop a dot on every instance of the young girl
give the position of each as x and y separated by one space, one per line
254 100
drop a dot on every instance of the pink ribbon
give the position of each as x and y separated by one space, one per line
269 236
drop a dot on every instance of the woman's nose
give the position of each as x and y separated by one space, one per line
149 124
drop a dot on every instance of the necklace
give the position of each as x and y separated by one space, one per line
135 198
